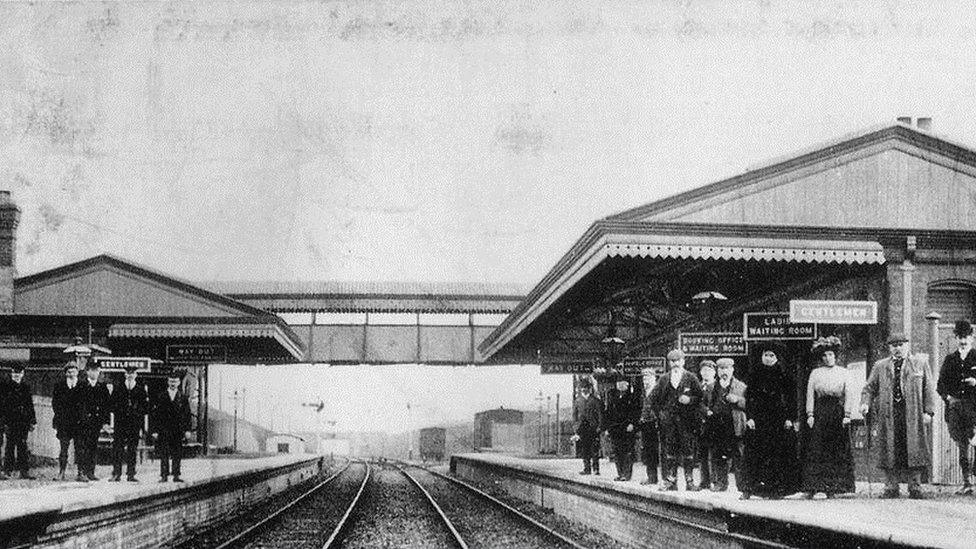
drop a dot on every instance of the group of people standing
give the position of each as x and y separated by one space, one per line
774 445
83 406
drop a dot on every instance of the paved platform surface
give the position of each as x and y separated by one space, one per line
943 520
29 497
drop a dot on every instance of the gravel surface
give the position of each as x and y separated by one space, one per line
394 513
482 524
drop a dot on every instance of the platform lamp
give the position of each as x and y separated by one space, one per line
704 304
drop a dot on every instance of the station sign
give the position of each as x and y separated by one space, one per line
583 366
635 366
121 363
198 354
770 326
712 344
834 312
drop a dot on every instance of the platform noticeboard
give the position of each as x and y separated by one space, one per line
583 366
712 344
196 354
775 326
120 363
834 312
635 366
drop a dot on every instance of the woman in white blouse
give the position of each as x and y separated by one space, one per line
828 466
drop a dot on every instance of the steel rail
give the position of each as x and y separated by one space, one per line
526 518
352 506
246 534
450 526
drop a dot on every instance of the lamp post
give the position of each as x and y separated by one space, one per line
539 399
235 420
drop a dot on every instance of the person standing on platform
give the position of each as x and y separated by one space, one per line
724 423
621 416
829 464
903 394
20 420
129 404
64 403
770 468
957 386
588 422
649 432
170 420
706 372
93 410
4 391
676 399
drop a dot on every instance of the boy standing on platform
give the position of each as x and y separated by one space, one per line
93 410
64 403
129 404
20 420
676 399
170 420
588 420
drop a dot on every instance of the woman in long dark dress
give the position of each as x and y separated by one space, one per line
769 462
828 465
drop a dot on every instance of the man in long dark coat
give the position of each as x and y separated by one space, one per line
170 421
20 419
64 403
903 394
957 386
588 422
622 414
93 410
129 405
677 397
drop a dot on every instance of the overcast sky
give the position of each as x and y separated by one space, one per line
467 140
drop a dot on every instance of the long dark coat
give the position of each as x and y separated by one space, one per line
170 418
622 409
93 405
919 391
587 414
130 408
65 405
19 408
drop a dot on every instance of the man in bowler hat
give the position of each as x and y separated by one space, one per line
621 416
64 403
93 410
170 421
957 386
20 420
900 388
588 420
129 404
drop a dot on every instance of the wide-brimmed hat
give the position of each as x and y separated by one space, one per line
824 344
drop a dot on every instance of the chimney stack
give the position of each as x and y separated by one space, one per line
9 218
923 123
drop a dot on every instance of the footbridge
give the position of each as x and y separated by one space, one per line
383 322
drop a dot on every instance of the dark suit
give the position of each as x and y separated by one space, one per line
170 419
623 409
66 420
93 409
20 419
680 423
129 408
588 420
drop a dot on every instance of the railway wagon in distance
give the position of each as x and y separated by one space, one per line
432 443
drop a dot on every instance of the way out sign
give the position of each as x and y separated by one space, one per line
834 312
775 326
579 366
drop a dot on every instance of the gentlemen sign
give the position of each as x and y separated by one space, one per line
765 326
119 363
834 312
711 344
581 366
207 354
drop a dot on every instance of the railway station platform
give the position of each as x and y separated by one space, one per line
642 516
43 513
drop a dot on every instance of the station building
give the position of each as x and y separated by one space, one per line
886 215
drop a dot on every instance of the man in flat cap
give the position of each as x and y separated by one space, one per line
901 393
93 411
64 403
129 403
20 420
957 386
676 399
588 421
170 423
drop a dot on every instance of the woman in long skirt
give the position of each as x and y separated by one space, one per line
828 466
769 463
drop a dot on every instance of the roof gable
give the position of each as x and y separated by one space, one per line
108 286
894 176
